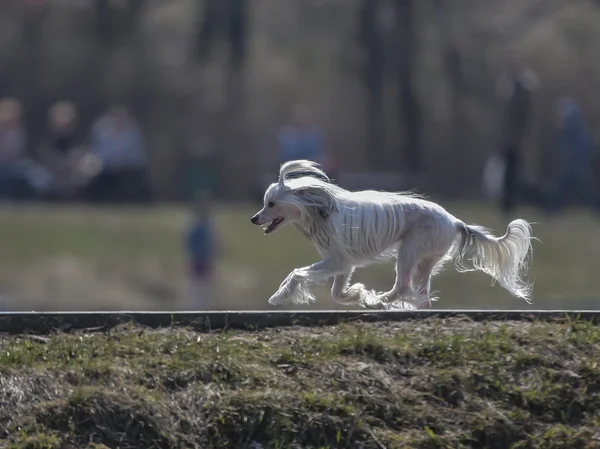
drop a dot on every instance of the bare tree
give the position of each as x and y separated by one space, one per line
238 29
116 25
373 74
210 22
223 19
104 18
27 65
228 20
410 110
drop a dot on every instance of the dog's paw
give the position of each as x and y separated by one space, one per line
370 300
280 297
277 300
357 289
400 305
373 305
423 301
280 306
423 306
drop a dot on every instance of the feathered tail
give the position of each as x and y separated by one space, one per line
504 258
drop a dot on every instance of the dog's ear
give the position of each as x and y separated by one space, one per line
324 213
318 200
301 174
301 168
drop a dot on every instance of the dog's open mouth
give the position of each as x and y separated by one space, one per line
271 226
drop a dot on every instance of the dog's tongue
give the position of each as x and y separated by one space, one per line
270 227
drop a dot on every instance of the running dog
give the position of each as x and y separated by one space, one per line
356 229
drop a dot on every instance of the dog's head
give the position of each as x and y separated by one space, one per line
278 210
287 203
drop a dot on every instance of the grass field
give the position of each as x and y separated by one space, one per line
84 258
422 384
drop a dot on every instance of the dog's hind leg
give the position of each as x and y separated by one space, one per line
428 267
342 294
414 246
408 256
422 275
421 280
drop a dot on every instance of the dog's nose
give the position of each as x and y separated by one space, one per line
254 219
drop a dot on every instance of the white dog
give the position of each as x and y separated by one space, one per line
355 229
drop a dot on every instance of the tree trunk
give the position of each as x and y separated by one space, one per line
409 102
228 20
238 28
209 27
373 77
28 87
104 19
134 12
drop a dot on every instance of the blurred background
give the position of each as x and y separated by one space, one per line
137 138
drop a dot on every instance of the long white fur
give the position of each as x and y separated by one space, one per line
354 229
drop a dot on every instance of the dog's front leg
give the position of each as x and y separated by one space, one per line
295 289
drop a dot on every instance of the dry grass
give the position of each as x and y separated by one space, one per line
80 258
421 384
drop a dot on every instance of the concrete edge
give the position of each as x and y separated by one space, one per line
47 322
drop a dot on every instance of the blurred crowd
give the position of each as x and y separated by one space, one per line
110 167
573 178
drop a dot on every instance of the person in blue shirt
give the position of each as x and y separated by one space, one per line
301 139
200 247
576 153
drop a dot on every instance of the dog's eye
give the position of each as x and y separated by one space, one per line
270 204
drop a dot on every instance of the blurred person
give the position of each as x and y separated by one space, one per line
199 166
301 139
12 149
118 144
576 153
20 177
60 153
200 248
12 133
517 86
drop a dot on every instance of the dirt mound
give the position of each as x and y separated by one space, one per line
423 384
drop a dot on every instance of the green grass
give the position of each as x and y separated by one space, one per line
84 258
423 384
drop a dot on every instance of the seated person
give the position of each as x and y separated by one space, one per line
20 177
301 139
118 145
60 153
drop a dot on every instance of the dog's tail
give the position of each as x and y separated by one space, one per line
504 258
